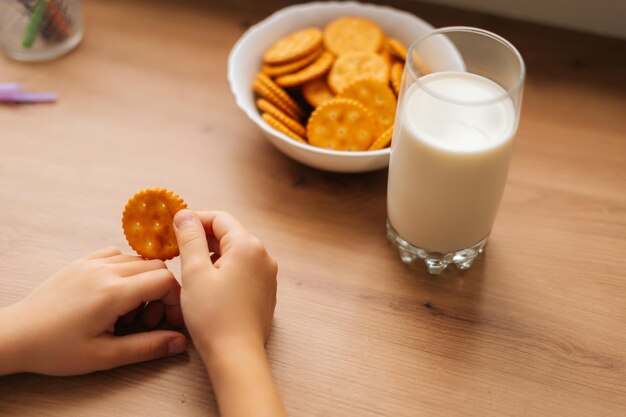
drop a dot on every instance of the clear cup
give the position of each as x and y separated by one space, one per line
39 30
452 145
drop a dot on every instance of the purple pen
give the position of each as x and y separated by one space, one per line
34 97
8 90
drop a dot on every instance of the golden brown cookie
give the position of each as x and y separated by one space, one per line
317 92
352 34
376 96
342 124
397 48
147 223
267 107
419 63
291 67
350 67
383 140
294 46
396 76
313 71
277 93
385 54
263 91
400 51
276 124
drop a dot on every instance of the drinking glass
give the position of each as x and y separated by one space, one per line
458 111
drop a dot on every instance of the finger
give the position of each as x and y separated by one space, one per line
140 347
159 284
192 240
104 253
226 229
206 218
127 269
172 298
219 223
118 259
153 314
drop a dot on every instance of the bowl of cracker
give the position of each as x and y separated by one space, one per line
321 80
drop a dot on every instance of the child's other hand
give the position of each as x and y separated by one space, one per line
227 299
66 326
228 302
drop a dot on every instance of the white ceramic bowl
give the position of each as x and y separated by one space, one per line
245 61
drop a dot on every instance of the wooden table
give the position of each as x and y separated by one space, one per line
536 328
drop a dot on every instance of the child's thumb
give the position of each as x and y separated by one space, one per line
144 346
191 237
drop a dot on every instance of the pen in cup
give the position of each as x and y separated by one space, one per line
38 30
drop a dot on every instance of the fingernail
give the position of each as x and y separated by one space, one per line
176 345
182 218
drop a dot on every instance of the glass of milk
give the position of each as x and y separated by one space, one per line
452 145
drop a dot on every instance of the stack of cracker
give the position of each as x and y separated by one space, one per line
335 89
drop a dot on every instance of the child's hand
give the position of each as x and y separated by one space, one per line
229 301
66 325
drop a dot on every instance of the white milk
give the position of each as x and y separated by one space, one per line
449 162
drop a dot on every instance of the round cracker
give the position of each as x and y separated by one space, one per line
148 223
313 71
267 107
294 46
397 48
383 140
376 96
263 91
418 62
281 95
352 34
350 67
276 124
291 67
317 92
342 124
386 55
396 76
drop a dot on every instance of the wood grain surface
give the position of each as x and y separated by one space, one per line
536 328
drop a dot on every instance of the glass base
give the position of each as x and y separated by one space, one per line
435 262
45 53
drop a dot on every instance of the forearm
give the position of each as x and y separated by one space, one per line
242 381
11 342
